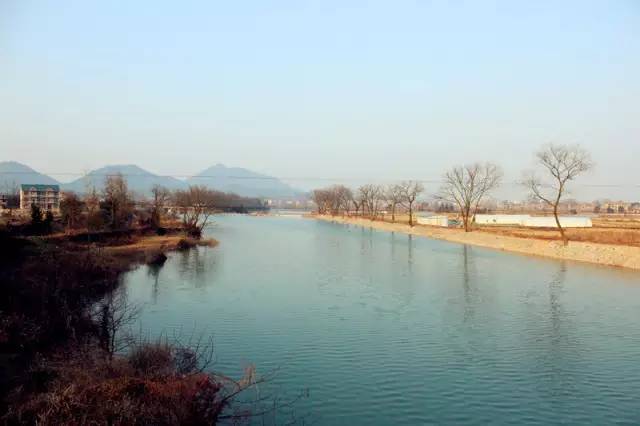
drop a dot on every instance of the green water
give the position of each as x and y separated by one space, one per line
383 328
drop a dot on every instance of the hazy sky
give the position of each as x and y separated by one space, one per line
344 89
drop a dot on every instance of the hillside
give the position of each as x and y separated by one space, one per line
139 180
242 182
13 174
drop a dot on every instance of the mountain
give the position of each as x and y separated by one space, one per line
139 180
13 174
242 182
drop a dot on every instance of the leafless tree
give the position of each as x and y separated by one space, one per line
372 196
563 163
342 196
335 199
395 197
92 204
118 200
196 204
322 199
409 191
160 197
466 187
71 210
113 314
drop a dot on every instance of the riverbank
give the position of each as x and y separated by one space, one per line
602 254
55 308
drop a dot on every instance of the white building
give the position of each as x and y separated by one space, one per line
533 221
47 197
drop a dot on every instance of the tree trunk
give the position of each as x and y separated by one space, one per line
393 213
465 219
410 214
565 240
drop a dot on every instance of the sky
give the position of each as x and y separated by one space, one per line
322 91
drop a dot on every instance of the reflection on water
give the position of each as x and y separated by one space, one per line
387 328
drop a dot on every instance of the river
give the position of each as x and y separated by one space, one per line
382 328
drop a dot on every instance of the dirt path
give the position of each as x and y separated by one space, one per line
602 254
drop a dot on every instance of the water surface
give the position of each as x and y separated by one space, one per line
385 328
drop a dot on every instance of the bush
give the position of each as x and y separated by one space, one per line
146 387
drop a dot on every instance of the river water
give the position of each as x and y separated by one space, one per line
374 327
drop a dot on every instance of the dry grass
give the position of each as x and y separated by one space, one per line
612 229
149 386
615 236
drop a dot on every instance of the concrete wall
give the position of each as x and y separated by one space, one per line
565 221
502 219
533 221
433 220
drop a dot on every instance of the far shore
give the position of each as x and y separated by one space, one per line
602 254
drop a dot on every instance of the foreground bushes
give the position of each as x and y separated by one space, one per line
154 384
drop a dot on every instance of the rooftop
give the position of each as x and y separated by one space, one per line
39 187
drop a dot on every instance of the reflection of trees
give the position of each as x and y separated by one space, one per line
556 312
410 251
195 263
469 291
153 270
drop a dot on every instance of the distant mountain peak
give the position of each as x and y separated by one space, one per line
13 173
243 182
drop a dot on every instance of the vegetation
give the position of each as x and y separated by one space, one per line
466 187
563 163
63 355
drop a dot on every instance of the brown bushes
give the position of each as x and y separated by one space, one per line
146 387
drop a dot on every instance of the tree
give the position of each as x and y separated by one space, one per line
47 224
342 197
71 210
36 217
94 217
196 204
563 163
409 191
394 196
322 199
466 186
117 200
161 196
371 196
335 199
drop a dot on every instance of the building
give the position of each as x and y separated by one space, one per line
47 197
533 221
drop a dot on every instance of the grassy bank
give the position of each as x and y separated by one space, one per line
603 254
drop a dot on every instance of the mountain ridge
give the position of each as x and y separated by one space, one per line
239 180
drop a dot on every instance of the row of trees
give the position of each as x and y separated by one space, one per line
465 187
114 207
368 200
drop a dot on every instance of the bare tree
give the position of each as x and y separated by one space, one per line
395 197
92 203
335 199
371 196
71 210
409 192
113 314
564 163
343 197
196 204
466 186
322 199
160 198
117 200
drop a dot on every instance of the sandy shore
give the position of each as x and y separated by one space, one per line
602 254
